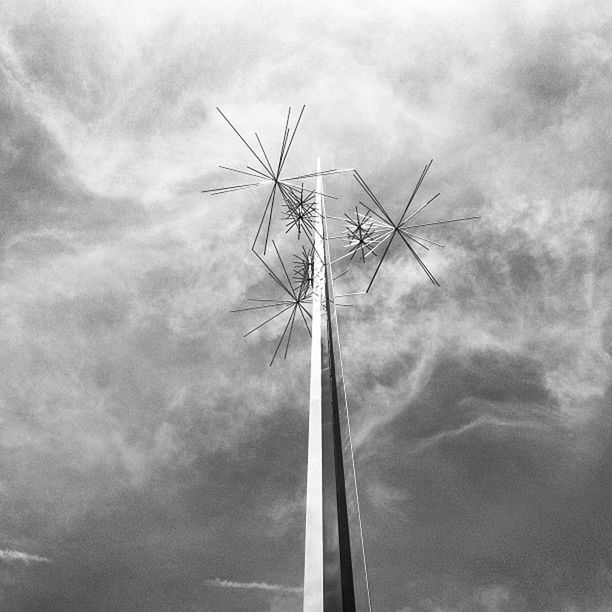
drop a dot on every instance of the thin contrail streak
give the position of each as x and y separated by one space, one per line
262 586
10 556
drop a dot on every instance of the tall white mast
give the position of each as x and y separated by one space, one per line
313 553
328 571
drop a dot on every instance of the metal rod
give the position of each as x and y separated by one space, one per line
241 138
267 321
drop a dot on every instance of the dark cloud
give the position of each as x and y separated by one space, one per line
503 494
155 546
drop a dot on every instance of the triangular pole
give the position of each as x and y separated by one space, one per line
328 573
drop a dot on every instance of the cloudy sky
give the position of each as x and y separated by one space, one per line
149 457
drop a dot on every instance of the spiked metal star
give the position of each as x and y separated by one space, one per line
303 270
268 173
360 234
295 295
300 211
384 229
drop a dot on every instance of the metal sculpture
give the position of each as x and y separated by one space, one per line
334 548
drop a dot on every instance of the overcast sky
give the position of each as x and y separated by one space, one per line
149 457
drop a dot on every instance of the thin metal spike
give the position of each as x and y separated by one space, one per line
302 311
418 210
416 188
342 257
440 222
322 173
267 175
261 222
341 274
291 224
265 155
377 226
274 275
241 138
283 145
432 278
380 262
269 219
374 199
283 266
232 187
311 175
290 332
414 239
285 182
384 221
243 172
335 218
371 248
281 340
381 238
268 300
224 191
280 283
421 238
295 128
257 307
267 321
349 254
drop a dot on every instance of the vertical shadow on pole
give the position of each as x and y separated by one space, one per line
338 577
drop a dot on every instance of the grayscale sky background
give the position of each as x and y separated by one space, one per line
149 457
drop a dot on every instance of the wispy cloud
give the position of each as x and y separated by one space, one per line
262 586
11 556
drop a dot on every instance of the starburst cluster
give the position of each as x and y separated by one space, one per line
378 231
268 173
300 212
360 234
295 295
369 233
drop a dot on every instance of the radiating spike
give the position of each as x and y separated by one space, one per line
258 307
267 321
441 222
265 154
241 138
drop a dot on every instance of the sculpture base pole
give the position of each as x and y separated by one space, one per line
328 577
313 547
